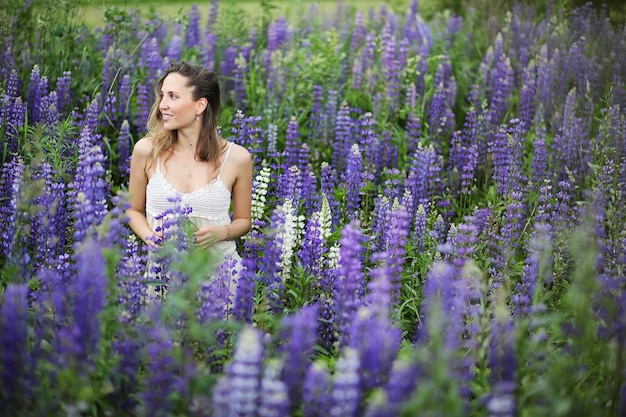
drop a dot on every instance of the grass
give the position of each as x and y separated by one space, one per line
93 11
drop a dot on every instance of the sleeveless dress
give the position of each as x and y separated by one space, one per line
209 206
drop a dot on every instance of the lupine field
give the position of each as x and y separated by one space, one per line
438 215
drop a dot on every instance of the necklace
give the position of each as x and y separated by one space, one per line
192 168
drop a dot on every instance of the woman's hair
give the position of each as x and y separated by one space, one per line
204 84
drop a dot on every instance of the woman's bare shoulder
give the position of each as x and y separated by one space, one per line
240 154
144 146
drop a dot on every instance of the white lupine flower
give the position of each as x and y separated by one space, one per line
259 186
325 220
288 235
333 256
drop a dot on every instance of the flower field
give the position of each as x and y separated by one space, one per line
438 216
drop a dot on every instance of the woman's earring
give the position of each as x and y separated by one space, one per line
197 117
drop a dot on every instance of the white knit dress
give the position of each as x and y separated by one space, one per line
210 206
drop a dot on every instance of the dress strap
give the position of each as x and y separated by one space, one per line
219 174
158 167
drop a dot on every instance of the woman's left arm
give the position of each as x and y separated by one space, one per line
241 195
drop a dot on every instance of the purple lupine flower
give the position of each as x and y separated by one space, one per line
349 283
396 240
354 180
502 160
441 117
327 336
453 26
313 246
90 289
13 85
249 134
316 118
63 89
345 394
132 286
274 401
214 296
344 127
423 177
299 336
124 151
571 142
312 199
244 373
228 65
153 61
439 230
220 403
528 96
212 18
316 397
110 110
439 298
144 103
11 182
501 401
37 88
91 116
165 375
358 34
379 286
90 188
124 97
292 144
239 85
50 116
330 113
545 209
540 154
244 296
174 48
502 84
43 220
192 32
537 270
14 352
390 67
368 60
7 60
377 342
269 264
109 70
419 228
413 133
128 350
380 222
564 211
14 112
403 380
368 141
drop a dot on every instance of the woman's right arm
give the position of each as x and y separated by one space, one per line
137 190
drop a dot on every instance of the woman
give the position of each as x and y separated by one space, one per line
183 157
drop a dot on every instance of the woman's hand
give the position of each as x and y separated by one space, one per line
155 239
207 236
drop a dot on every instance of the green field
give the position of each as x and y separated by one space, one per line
93 13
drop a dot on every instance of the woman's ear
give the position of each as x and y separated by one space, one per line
201 105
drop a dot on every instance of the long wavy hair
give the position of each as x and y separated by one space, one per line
204 84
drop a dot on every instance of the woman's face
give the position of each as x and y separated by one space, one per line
177 106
